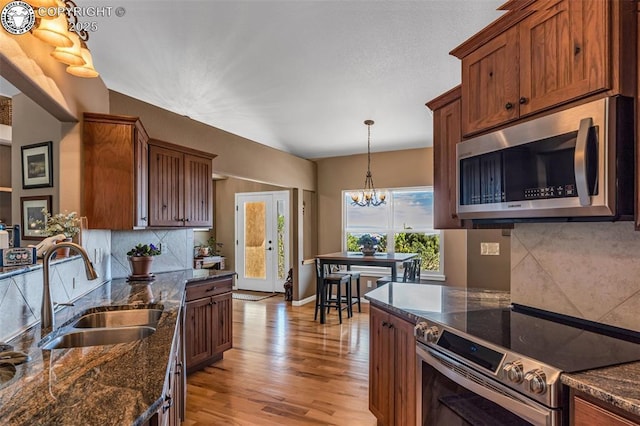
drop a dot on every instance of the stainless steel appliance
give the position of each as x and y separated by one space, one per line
503 366
574 163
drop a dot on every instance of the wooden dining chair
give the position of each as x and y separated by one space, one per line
332 299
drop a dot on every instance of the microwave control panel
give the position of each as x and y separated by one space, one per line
558 191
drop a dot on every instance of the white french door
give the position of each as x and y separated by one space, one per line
262 240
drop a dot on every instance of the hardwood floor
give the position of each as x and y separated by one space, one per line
286 369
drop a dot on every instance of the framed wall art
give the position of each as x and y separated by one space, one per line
33 220
37 165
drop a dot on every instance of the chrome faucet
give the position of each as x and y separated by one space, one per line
46 312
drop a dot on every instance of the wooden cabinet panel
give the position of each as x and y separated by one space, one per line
381 399
222 310
166 187
198 341
392 369
198 194
564 54
209 322
115 172
490 83
446 134
585 413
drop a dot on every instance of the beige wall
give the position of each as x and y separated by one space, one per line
5 181
236 156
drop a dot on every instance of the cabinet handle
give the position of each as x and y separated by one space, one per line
523 100
144 219
508 105
186 220
167 406
390 325
384 323
210 289
576 50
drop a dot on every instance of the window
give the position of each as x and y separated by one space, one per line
406 220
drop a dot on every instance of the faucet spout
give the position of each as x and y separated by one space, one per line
46 312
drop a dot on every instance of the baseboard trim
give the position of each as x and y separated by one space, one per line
303 301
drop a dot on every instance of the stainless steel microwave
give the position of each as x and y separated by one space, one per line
577 163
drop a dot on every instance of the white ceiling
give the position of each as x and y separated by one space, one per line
300 76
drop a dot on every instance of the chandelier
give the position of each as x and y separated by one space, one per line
368 196
57 25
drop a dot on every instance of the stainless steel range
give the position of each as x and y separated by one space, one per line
503 366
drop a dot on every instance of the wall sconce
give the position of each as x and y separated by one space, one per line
53 28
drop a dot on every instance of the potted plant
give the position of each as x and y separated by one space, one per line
140 258
67 224
368 244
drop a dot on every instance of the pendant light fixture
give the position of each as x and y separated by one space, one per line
368 196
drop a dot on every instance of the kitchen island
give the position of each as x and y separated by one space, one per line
108 385
617 387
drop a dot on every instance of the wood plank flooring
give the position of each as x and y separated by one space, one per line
286 369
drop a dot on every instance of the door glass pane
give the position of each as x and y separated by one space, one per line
280 239
255 255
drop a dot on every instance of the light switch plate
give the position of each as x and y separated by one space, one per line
490 249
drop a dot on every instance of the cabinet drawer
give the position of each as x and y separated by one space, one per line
201 289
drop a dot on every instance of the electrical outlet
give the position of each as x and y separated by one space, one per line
163 247
97 256
369 283
73 283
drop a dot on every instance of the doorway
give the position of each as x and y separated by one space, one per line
262 240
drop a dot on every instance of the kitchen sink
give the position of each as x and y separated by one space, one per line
120 318
76 338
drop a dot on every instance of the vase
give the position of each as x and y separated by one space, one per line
63 252
368 250
140 266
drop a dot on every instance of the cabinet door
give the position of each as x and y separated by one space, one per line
198 196
490 83
222 327
198 343
142 179
587 414
446 134
381 400
166 187
404 361
564 53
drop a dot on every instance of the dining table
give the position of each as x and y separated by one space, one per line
351 258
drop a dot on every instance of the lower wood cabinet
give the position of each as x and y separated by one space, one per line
172 410
392 369
209 331
588 411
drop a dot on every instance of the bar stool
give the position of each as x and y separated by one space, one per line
355 276
325 287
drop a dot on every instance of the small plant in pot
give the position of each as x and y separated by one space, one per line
140 258
67 224
368 244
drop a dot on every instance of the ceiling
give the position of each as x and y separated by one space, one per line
300 76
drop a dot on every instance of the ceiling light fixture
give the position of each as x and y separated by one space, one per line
62 30
368 196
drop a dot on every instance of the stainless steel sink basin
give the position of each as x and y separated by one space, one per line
98 336
121 318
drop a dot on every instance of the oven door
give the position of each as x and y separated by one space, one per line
451 394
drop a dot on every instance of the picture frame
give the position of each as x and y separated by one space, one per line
31 216
37 165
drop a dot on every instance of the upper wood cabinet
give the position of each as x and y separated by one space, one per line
115 172
180 186
538 57
446 134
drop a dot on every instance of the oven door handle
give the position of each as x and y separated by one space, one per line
580 161
529 410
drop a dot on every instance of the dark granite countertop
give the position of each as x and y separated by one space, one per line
412 301
107 385
618 385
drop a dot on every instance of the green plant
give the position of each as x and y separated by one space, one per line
60 223
368 240
144 250
214 247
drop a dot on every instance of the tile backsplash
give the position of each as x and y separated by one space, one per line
588 270
21 294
